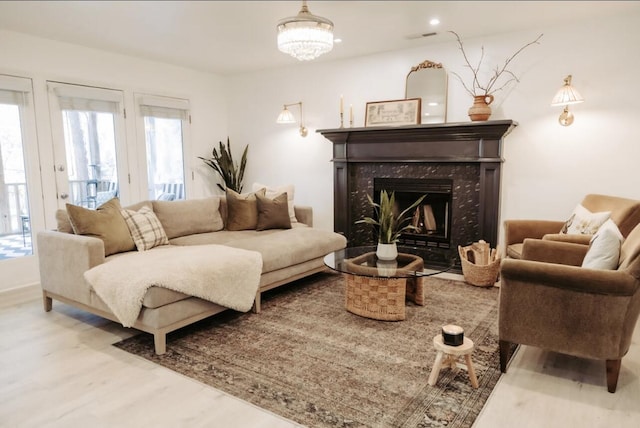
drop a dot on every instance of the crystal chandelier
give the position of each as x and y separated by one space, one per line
305 36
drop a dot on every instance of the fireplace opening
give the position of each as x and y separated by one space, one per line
432 218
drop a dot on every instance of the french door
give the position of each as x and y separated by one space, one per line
90 156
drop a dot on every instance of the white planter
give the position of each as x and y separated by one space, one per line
387 251
387 268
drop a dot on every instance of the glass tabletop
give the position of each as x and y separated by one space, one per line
409 263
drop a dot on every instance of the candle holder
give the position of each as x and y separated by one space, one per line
351 123
341 120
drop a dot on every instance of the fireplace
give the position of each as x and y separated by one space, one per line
432 218
459 163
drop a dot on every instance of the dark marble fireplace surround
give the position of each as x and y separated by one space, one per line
469 154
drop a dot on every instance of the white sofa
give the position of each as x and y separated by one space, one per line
287 255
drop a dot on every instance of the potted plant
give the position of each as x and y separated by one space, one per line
223 163
389 225
482 93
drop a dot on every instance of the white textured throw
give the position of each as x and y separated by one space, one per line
223 275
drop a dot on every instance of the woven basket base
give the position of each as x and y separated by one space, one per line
376 298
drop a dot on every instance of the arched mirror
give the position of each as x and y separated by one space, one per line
428 81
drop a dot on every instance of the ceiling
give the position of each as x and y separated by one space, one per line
228 37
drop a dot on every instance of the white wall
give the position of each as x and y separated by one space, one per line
43 60
548 168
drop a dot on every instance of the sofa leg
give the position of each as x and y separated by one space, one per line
613 371
256 304
47 302
160 343
504 354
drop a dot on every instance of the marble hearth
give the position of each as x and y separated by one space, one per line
468 155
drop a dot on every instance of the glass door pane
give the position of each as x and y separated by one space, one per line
90 147
165 160
89 144
15 230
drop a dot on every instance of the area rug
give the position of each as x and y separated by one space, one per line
306 358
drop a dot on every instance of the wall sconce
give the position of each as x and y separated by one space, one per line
286 116
565 96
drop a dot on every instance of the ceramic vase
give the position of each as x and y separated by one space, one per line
387 251
480 110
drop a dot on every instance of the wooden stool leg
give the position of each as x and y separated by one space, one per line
472 372
435 371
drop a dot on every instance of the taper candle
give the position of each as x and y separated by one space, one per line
341 104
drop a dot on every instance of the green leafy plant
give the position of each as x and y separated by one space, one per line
223 163
389 225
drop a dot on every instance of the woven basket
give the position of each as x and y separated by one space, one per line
376 298
481 275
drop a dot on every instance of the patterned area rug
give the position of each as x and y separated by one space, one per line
306 358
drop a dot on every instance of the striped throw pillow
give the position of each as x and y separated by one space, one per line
146 230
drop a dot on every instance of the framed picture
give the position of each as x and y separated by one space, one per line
393 113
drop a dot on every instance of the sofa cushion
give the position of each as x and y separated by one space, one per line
185 217
604 249
242 210
271 192
287 247
146 230
584 222
105 223
273 213
158 296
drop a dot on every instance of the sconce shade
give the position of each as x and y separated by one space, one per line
286 116
305 36
567 94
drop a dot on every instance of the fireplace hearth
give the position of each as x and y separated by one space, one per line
458 163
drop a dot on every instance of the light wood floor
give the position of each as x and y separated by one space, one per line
58 369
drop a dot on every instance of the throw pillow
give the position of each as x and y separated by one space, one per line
146 230
188 217
105 223
242 210
604 249
273 213
584 222
63 222
272 192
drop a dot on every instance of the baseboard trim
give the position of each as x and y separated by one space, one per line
21 294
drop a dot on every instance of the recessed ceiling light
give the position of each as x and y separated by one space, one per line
337 40
434 21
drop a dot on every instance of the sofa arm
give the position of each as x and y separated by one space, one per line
516 231
593 281
304 214
565 253
63 258
564 237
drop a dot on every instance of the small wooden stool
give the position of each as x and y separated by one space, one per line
452 353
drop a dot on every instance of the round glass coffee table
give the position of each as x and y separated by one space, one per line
378 289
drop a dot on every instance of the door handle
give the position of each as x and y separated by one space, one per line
64 195
60 168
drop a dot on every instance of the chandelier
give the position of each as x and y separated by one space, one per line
305 36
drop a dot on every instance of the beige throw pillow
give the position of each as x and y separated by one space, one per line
105 223
146 230
273 213
188 217
584 222
242 210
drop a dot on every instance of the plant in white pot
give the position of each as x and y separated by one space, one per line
389 225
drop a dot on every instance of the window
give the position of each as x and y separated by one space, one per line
15 220
89 145
165 126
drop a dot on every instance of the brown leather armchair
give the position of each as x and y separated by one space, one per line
625 213
548 301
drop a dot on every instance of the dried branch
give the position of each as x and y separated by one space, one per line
476 87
